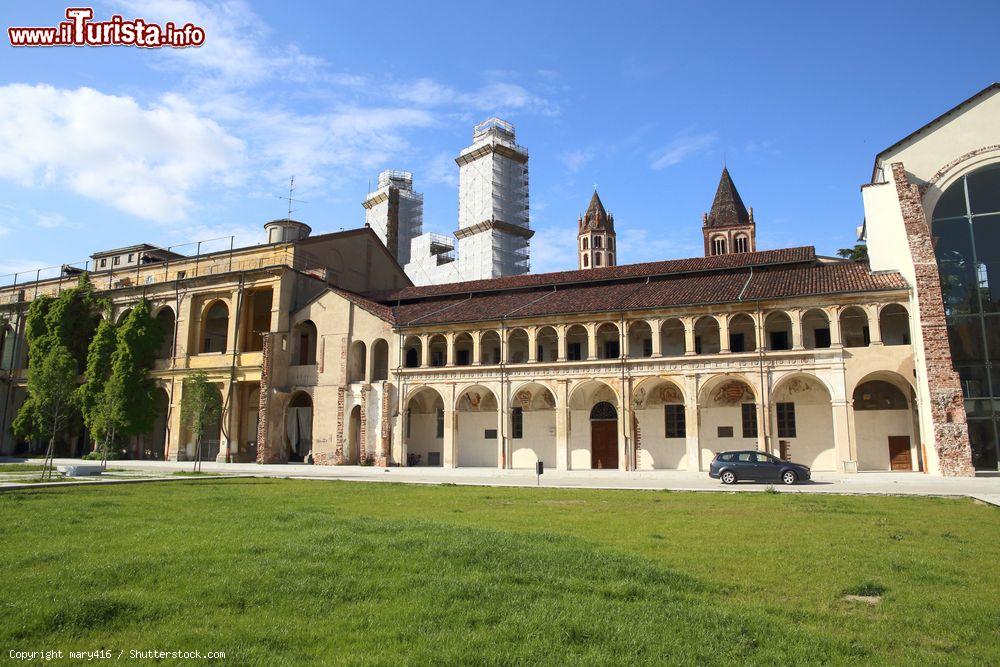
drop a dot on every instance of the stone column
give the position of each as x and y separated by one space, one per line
425 350
692 423
847 460
448 456
591 341
449 340
229 422
175 444
503 436
654 328
688 323
833 315
562 424
796 317
874 327
561 342
232 333
477 351
532 345
723 321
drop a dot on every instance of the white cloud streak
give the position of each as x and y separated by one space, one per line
681 148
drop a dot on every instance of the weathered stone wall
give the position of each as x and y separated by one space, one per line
947 409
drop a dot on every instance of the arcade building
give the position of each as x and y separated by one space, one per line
323 351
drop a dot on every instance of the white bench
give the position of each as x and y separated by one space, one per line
80 470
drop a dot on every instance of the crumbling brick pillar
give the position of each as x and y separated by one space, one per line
947 407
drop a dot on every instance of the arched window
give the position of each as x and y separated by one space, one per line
586 261
611 244
380 360
603 411
879 395
356 362
611 259
597 259
719 246
740 244
216 328
597 241
165 319
585 244
305 342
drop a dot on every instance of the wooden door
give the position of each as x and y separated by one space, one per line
899 452
604 445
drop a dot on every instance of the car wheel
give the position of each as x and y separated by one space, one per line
728 477
789 477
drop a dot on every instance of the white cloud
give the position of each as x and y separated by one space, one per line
143 160
49 220
497 97
441 169
576 160
682 147
554 249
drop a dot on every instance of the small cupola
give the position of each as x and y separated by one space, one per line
286 230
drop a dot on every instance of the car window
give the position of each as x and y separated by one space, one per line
726 457
745 456
764 458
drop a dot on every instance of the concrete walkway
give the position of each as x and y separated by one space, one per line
985 487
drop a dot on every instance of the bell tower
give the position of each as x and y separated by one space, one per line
729 227
596 244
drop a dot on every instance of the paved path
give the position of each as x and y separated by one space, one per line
984 487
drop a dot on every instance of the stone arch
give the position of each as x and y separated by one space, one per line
517 346
741 243
464 347
778 331
215 327
640 339
166 319
533 425
304 343
815 329
673 341
607 340
582 398
357 362
801 420
706 335
352 446
299 427
724 422
894 324
477 437
883 407
412 352
718 244
438 348
380 360
854 330
577 343
742 333
951 173
423 427
660 431
490 348
122 316
547 344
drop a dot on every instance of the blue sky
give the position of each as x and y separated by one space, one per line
105 147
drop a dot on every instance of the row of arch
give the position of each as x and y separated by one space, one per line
709 334
366 362
727 409
741 243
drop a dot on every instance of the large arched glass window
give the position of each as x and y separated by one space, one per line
965 226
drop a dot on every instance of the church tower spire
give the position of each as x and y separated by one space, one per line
728 227
596 242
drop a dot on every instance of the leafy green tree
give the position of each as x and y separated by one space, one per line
95 377
127 408
51 395
859 253
200 406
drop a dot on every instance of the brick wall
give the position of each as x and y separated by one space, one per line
947 409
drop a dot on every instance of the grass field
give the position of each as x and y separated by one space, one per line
283 571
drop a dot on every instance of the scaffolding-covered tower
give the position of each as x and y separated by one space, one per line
395 212
493 230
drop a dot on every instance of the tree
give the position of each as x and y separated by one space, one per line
859 253
51 393
201 405
95 377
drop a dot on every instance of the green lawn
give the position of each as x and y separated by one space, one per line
281 571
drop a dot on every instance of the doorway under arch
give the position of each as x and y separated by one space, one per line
298 427
352 453
604 436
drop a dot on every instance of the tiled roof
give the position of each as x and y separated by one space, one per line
678 289
805 254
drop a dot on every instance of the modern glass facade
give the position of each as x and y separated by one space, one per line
966 230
